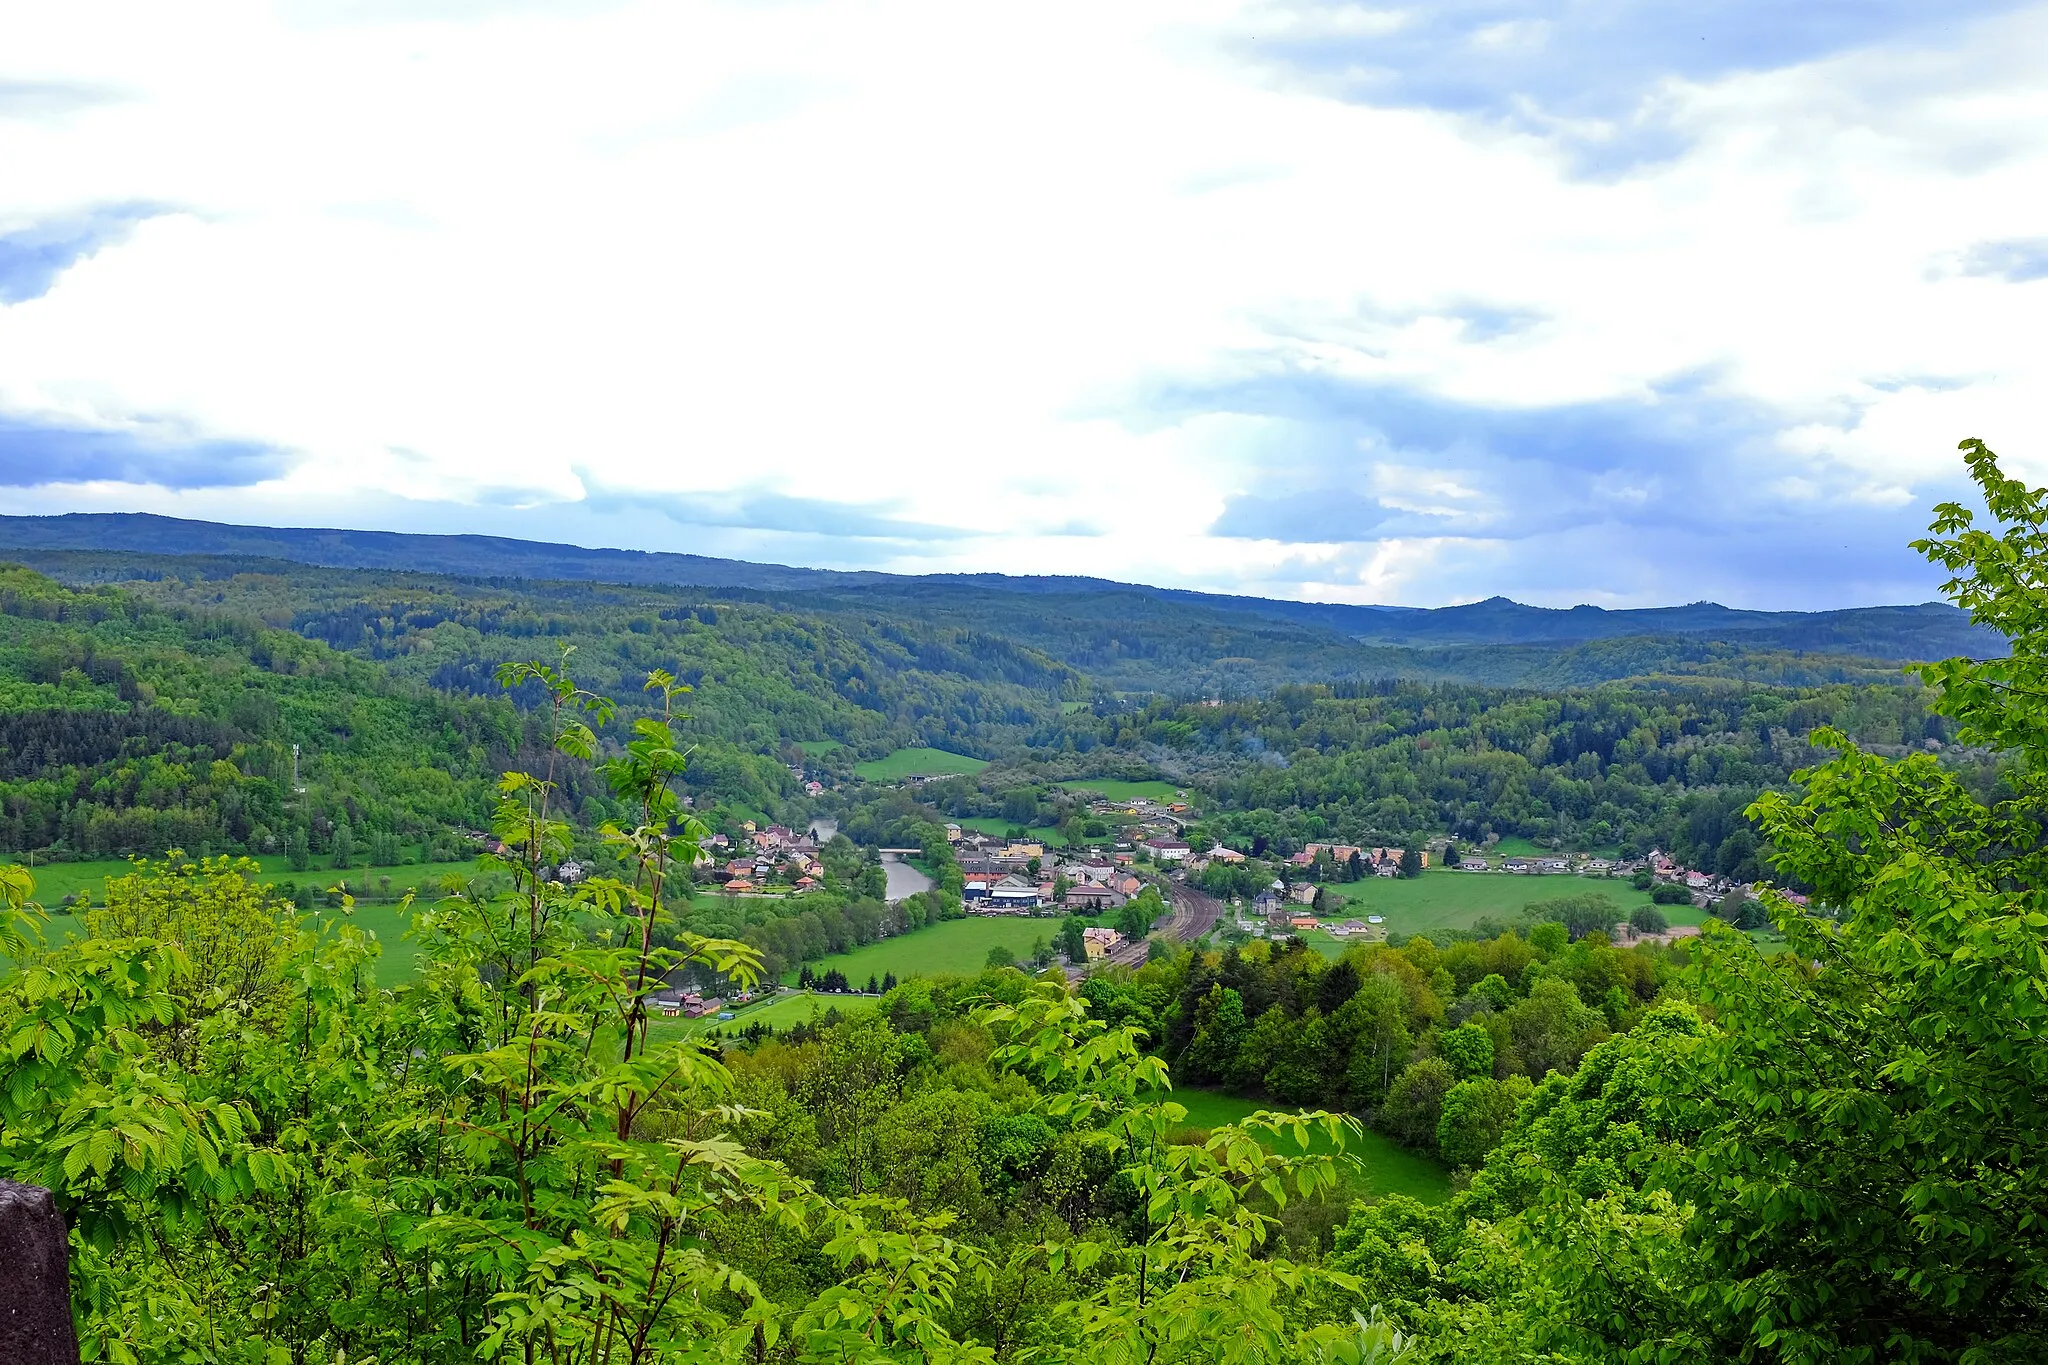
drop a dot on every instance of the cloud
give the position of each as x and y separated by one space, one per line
34 453
1323 514
1303 299
764 510
46 99
32 257
1595 77
2017 261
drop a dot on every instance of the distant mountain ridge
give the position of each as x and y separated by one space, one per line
1926 630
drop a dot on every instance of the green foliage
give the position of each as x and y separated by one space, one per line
1468 1048
1648 919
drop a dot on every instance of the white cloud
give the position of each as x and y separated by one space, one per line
949 257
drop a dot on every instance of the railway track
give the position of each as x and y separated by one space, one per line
1189 916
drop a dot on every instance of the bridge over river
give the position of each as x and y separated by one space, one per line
904 879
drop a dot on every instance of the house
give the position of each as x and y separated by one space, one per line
1346 929
952 834
1474 865
806 883
815 788
1302 893
1168 850
739 886
1220 854
1023 852
1099 940
1386 869
666 1003
1302 859
1127 885
1697 880
1300 921
1266 905
1089 896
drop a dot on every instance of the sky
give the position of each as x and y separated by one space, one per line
1615 301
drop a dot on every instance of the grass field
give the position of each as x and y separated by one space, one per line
54 881
957 947
818 748
780 1012
400 956
1387 1166
1442 899
1115 789
917 763
996 825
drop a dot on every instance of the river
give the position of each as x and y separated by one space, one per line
904 880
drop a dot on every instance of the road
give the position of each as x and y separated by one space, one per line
1190 915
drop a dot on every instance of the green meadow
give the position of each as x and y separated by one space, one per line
54 881
990 824
918 763
1116 789
957 947
778 1012
1386 1167
1442 899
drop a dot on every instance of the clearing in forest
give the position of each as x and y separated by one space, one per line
918 763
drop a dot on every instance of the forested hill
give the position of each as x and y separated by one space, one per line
126 727
1032 609
1120 638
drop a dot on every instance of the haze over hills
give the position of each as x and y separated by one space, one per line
1927 630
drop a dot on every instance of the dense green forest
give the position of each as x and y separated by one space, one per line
125 728
1122 637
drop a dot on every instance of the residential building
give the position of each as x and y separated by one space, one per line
1099 940
1089 896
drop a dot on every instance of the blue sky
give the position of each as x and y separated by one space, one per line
1619 302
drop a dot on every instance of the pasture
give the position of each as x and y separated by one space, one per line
778 1012
918 763
1000 828
957 947
1442 899
1386 1167
396 962
1116 789
54 881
